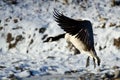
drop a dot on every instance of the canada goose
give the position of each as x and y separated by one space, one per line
79 33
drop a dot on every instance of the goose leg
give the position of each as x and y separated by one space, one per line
98 61
88 61
94 63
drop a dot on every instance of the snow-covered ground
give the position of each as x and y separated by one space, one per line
23 25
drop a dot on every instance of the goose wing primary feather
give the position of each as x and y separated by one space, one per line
82 29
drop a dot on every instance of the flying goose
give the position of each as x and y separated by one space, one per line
80 34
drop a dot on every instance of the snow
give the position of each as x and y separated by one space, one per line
53 57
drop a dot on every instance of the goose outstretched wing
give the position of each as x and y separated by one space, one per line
81 29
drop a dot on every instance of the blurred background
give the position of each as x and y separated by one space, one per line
24 24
